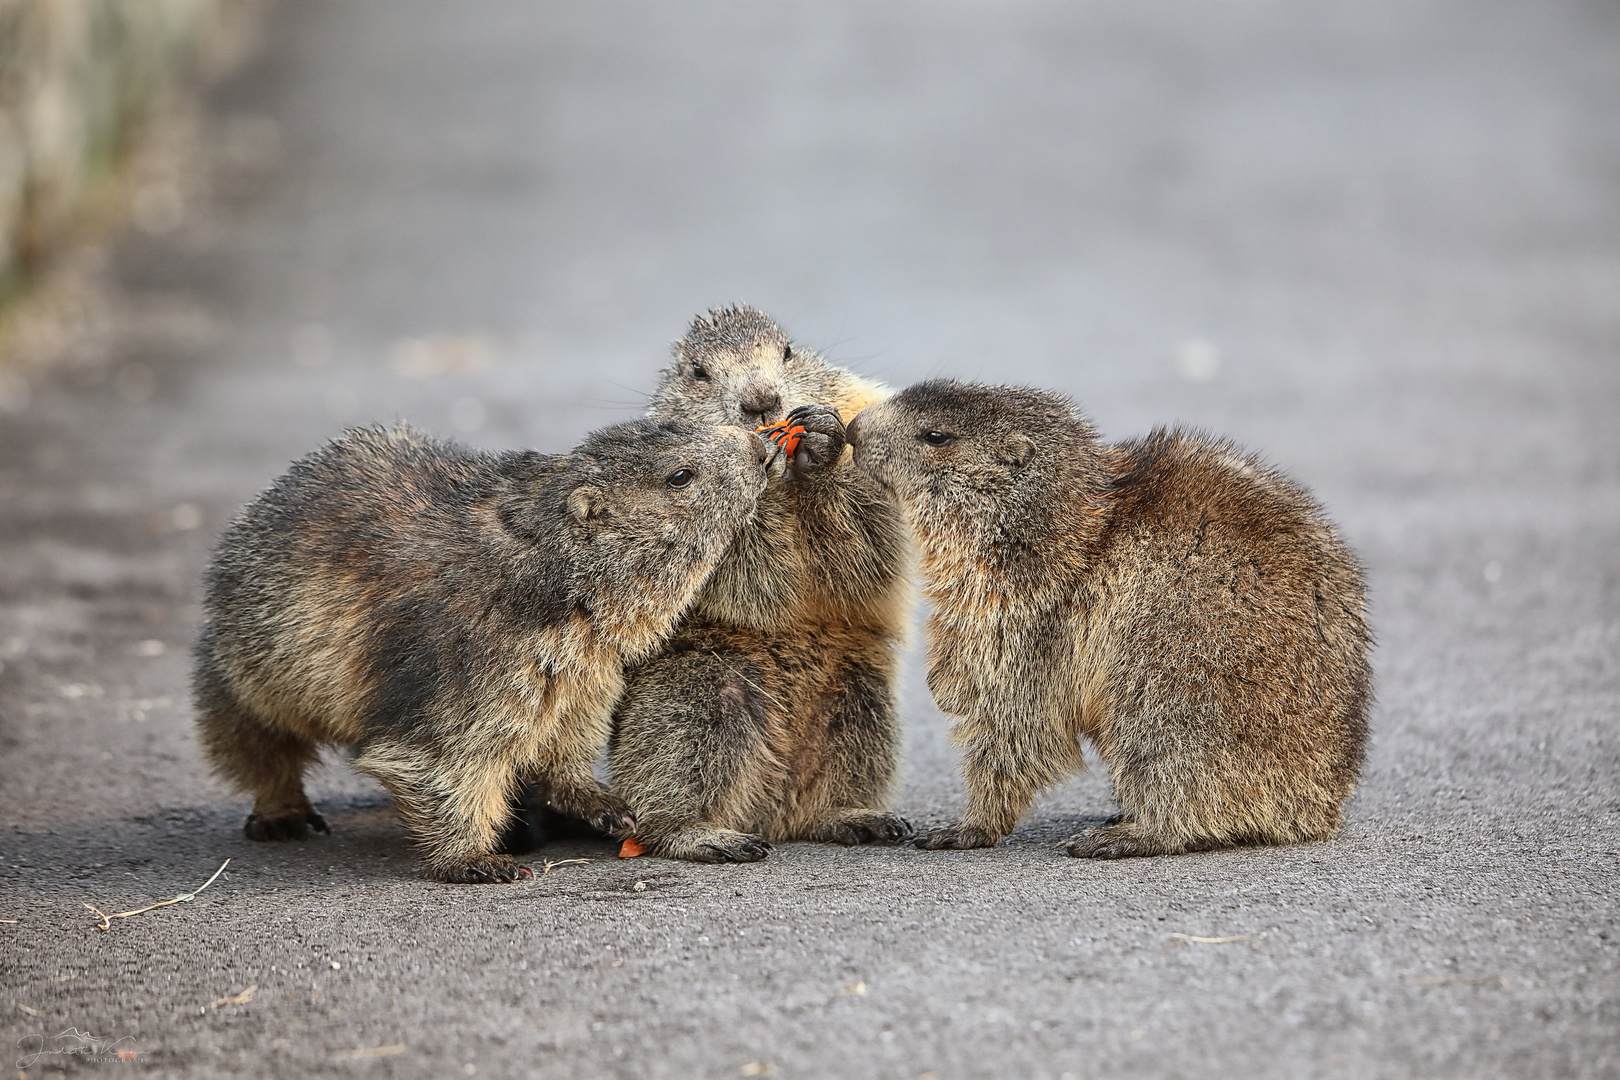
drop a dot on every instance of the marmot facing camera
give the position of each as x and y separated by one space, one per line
1173 600
770 715
460 618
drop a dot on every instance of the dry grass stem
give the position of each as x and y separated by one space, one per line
1216 940
546 869
371 1052
8 920
238 999
105 924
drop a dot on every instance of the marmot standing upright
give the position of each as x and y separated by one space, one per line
771 715
1174 600
461 618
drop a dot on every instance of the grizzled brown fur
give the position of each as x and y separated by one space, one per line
1173 600
770 715
460 618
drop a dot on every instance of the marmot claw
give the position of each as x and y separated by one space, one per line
875 827
295 826
955 837
748 848
481 870
822 439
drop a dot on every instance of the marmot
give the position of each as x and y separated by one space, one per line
1174 600
460 618
771 715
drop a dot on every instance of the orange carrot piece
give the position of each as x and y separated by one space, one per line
631 848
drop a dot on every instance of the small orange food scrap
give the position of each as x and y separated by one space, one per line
631 848
786 435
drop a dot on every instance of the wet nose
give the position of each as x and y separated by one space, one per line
761 403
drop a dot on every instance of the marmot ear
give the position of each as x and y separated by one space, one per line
587 503
1016 450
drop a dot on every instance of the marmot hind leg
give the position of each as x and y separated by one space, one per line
851 827
706 844
691 755
257 758
1124 839
858 759
458 805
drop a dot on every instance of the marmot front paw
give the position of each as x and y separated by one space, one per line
868 827
955 837
709 845
823 438
480 870
294 826
601 810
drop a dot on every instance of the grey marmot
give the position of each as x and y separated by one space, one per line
461 619
770 715
1174 600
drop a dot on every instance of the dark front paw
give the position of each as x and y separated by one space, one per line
601 810
822 441
871 827
294 826
955 838
479 870
735 848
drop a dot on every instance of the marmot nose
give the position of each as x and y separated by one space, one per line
762 405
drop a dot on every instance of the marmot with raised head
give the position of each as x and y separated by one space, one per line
771 715
461 619
1174 600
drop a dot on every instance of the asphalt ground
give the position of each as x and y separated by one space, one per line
1378 241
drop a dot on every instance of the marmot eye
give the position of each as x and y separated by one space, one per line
680 478
787 352
938 438
700 372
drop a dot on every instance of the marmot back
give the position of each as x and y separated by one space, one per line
1175 600
770 715
461 618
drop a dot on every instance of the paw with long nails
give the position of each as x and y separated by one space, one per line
811 437
785 435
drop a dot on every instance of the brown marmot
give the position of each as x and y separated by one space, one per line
770 715
1174 600
460 618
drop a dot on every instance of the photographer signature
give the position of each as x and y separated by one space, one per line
76 1043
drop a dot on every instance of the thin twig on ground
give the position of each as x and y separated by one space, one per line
371 1052
1216 940
105 924
546 869
238 999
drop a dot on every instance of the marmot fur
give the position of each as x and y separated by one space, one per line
1174 600
770 715
460 618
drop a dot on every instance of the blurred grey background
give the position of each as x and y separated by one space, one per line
1379 242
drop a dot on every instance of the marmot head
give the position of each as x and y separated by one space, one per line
674 483
976 463
637 516
736 367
